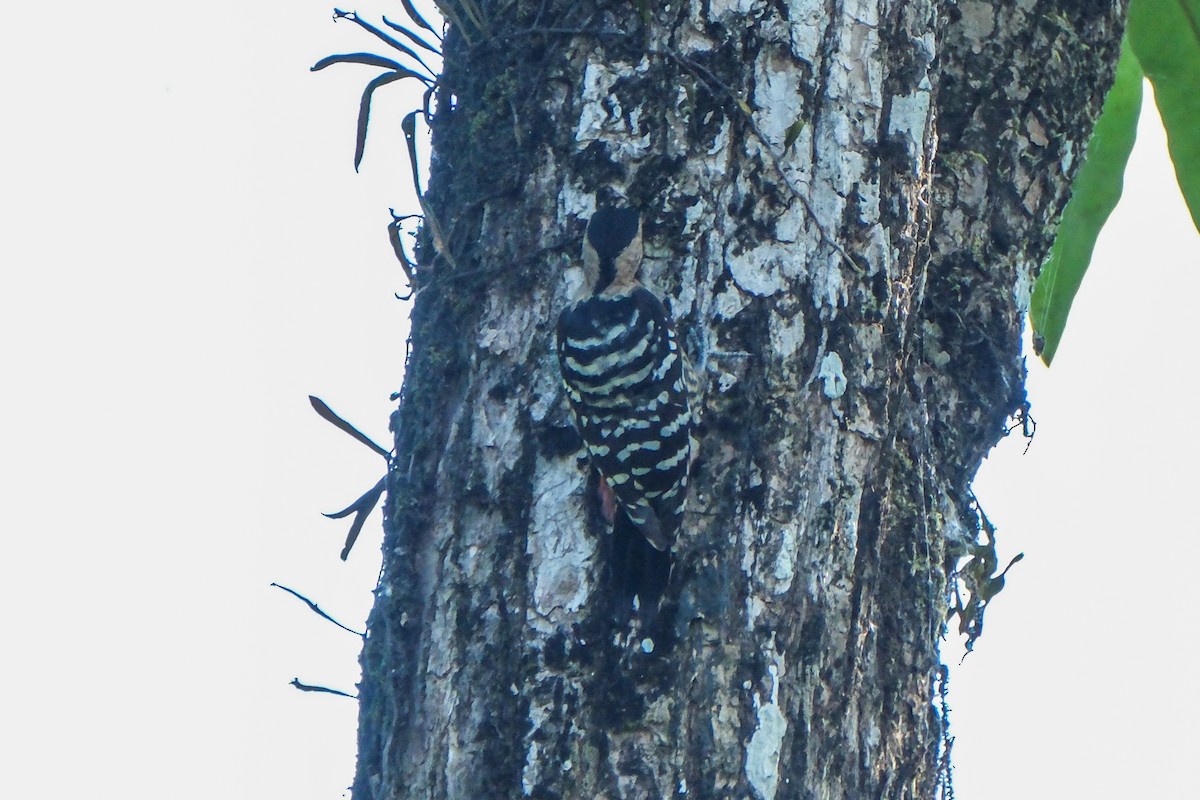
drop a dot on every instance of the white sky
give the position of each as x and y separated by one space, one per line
187 253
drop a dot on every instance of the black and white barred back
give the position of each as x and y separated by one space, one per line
626 380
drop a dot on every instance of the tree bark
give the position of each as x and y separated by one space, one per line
845 205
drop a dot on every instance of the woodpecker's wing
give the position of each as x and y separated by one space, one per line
624 375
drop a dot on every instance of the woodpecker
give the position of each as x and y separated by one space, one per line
627 381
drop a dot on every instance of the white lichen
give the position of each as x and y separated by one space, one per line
778 97
723 8
729 303
832 376
806 29
1023 288
760 270
766 744
574 282
598 81
560 552
787 334
547 390
785 560
977 23
910 118
505 331
602 117
1068 157
575 201
720 144
496 428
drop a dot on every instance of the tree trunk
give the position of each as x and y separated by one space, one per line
845 205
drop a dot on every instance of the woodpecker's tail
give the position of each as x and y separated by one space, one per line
636 568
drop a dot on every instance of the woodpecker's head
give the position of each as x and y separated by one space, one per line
612 250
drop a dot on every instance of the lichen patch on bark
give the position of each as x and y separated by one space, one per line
766 743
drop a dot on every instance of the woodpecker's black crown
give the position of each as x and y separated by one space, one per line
611 230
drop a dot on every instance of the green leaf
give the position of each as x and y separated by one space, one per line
417 18
361 509
329 415
408 126
390 41
316 609
1095 193
412 37
364 110
792 133
370 59
1165 36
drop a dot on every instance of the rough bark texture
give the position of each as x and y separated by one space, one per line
797 657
